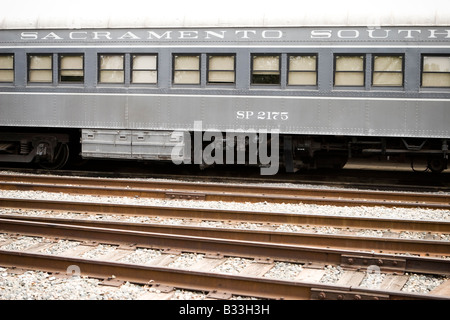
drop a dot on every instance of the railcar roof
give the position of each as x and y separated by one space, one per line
80 14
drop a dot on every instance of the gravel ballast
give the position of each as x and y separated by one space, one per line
41 285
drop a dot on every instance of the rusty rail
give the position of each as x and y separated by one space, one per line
225 215
204 281
386 245
232 247
223 192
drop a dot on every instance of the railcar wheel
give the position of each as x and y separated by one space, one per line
437 165
61 158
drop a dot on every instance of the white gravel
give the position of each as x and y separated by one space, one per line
332 274
188 295
305 209
231 224
43 286
284 270
373 280
60 247
141 256
98 251
419 283
22 243
232 266
186 260
360 211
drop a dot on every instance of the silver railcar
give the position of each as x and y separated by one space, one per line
328 82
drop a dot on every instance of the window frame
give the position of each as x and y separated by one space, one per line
132 56
422 72
208 69
252 56
402 72
29 70
199 70
363 71
11 69
62 55
316 69
99 71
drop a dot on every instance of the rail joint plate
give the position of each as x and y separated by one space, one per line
186 195
325 294
214 294
387 264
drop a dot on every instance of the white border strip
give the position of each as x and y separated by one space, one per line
317 47
223 96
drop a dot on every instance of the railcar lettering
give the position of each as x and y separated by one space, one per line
101 35
262 115
152 35
433 33
379 33
272 34
166 35
241 34
211 34
29 36
129 35
409 33
51 36
348 34
78 35
188 35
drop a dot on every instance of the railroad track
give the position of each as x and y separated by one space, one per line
392 245
223 192
360 177
249 282
312 250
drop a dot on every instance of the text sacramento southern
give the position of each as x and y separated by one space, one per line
237 34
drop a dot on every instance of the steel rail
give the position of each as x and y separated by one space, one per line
232 247
225 215
223 192
352 178
387 245
203 281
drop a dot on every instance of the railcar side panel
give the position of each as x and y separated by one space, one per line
292 115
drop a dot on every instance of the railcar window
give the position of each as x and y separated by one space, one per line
265 69
388 71
349 70
436 71
40 68
111 68
7 68
144 69
221 69
302 70
186 69
71 68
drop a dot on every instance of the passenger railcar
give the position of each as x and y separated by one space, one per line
135 82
